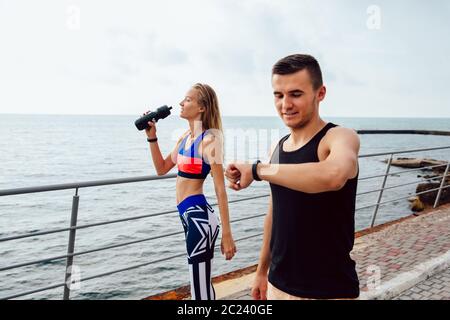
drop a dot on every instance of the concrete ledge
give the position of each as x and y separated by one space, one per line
224 285
406 280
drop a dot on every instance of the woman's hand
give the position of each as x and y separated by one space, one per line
227 246
151 130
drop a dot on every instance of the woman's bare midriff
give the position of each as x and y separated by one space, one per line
188 187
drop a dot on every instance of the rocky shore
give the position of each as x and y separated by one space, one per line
434 177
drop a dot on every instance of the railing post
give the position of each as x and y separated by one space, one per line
438 197
374 216
71 245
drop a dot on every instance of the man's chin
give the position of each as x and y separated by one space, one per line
295 124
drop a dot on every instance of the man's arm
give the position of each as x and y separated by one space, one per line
260 283
259 289
328 175
265 255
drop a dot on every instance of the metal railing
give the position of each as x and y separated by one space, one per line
76 199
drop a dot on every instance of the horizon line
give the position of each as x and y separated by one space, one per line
224 116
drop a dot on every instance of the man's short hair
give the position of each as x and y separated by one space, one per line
298 62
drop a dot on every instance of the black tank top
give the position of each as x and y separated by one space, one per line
312 234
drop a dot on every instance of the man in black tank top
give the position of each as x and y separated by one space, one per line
313 173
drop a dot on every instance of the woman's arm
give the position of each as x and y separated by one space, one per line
212 151
162 166
227 245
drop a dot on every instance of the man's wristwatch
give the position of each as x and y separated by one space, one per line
254 173
152 140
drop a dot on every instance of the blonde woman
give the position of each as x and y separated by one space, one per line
197 153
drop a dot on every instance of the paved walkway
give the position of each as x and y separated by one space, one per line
435 288
396 253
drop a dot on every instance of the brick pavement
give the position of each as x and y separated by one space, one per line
436 287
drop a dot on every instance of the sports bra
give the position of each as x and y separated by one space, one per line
190 162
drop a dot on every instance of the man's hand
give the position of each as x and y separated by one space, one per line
239 175
259 289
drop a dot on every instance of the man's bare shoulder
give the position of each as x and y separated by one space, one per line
342 134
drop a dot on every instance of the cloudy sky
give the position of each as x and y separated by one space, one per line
379 58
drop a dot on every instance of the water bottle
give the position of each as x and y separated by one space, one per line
160 113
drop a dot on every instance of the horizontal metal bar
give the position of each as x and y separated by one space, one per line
402 185
107 247
132 267
20 265
66 186
28 235
401 151
413 195
423 132
248 218
86 252
33 291
244 199
87 226
159 260
115 271
400 172
249 237
85 184
148 239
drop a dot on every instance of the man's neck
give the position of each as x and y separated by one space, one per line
300 136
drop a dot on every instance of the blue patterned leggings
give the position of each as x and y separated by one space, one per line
201 228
